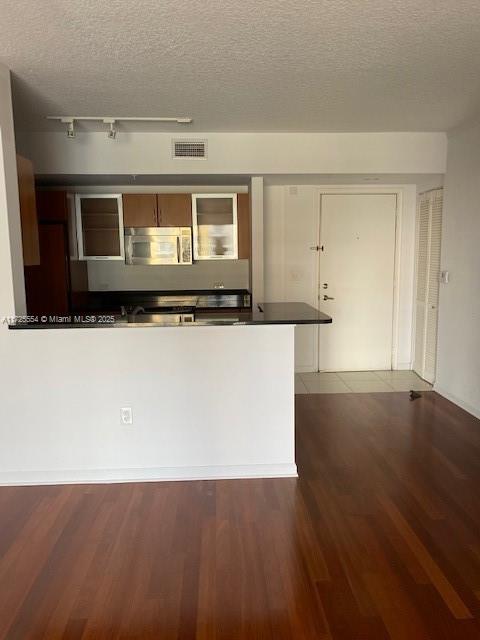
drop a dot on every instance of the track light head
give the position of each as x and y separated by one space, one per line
70 127
112 132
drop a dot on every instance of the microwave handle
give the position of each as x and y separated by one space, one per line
179 252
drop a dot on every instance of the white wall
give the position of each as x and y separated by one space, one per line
12 295
291 223
238 153
291 268
458 366
106 275
207 401
257 224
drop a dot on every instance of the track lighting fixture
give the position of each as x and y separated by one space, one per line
112 131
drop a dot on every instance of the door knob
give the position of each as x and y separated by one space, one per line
325 297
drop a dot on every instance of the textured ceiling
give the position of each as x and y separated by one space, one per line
245 65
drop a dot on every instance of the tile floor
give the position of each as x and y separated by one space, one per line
359 382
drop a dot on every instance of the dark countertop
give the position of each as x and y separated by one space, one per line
268 313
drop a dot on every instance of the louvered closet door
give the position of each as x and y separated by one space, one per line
428 278
422 270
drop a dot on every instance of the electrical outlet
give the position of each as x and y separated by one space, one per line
126 415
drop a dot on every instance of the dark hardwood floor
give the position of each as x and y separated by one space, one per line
379 538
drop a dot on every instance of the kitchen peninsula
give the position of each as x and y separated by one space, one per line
208 400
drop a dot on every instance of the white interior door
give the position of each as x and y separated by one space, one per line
357 267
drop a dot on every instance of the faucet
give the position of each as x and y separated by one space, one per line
138 309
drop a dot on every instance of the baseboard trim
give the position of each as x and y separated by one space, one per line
474 411
403 366
305 370
161 474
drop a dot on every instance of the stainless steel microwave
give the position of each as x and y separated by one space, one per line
158 245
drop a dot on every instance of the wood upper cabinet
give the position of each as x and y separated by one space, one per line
174 209
244 226
157 210
139 210
28 212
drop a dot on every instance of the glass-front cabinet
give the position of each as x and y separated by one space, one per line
215 226
99 219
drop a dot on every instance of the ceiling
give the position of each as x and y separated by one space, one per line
254 65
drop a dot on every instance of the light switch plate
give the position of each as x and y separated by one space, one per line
444 277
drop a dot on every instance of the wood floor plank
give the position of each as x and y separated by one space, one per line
443 586
378 539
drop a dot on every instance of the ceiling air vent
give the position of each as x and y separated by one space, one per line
189 148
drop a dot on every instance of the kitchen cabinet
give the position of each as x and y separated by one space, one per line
47 285
60 281
214 217
244 227
28 212
99 220
157 210
139 210
174 210
52 206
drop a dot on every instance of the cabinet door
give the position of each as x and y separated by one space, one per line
174 209
100 226
243 219
52 206
47 285
28 211
215 226
139 210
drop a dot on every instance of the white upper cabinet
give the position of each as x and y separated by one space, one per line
215 226
99 220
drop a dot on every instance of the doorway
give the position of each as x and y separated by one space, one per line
357 280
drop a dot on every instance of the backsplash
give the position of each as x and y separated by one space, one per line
112 275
